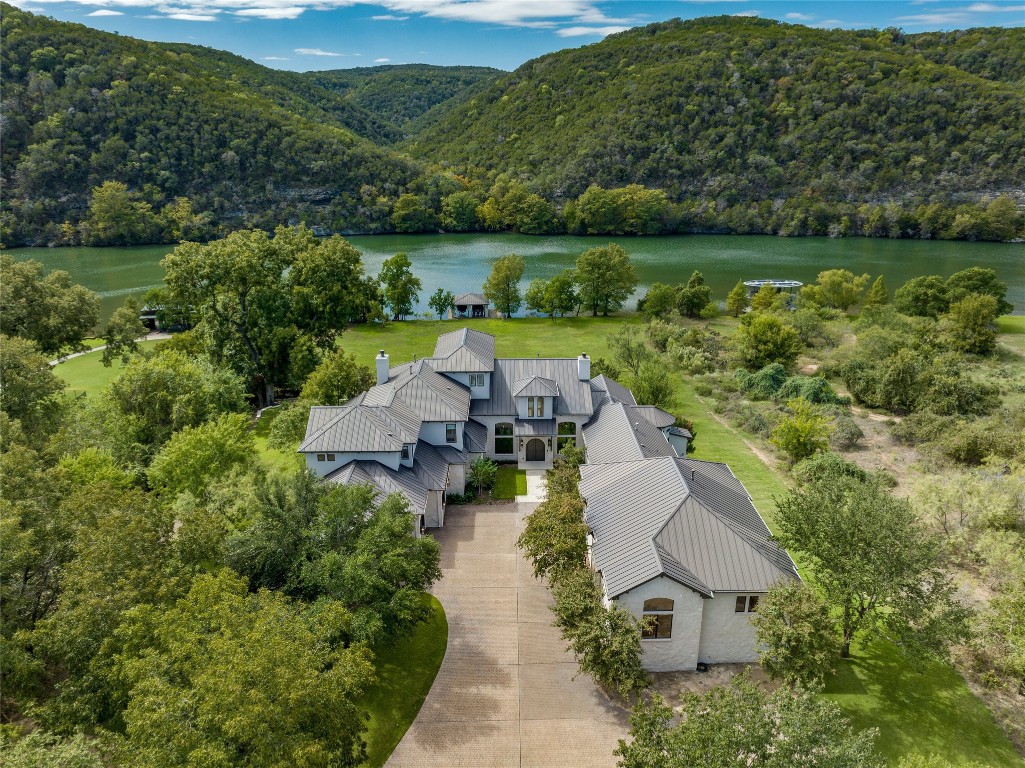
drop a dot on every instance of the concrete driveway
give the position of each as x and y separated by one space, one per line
505 694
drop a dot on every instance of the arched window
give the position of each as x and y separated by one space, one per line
567 431
658 619
504 438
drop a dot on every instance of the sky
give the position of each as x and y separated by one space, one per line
307 35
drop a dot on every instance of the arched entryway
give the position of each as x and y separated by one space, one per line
535 449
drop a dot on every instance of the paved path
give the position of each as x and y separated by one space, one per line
505 693
154 336
535 486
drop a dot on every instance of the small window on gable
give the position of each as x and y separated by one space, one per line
476 379
405 452
330 457
530 407
450 433
540 406
657 619
741 604
320 457
658 604
746 604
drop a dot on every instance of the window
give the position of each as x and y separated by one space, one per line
746 604
530 406
567 433
320 457
540 406
450 433
476 379
330 457
405 452
504 438
658 619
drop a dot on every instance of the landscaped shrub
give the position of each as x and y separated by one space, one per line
482 474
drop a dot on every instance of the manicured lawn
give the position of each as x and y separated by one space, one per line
272 458
86 374
510 483
405 669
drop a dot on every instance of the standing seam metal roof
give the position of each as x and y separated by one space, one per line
535 386
348 428
615 391
574 394
385 480
688 520
464 351
619 433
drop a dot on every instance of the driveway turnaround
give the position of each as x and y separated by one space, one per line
508 692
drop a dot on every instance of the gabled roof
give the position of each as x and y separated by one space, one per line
424 391
661 419
691 521
464 351
350 429
574 395
385 480
475 437
612 390
465 299
430 466
534 386
620 432
397 414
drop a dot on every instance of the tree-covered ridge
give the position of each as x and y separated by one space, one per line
82 107
994 53
401 93
743 109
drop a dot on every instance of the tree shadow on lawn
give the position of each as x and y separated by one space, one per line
927 711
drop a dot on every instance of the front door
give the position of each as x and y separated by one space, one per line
535 450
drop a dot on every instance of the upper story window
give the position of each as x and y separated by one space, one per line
746 604
405 452
476 379
567 433
658 619
504 437
535 407
450 433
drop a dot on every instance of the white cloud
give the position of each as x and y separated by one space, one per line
315 52
288 12
800 17
186 17
586 31
105 12
934 19
992 8
273 58
389 17
381 61
746 13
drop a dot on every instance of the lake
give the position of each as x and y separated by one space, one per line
462 262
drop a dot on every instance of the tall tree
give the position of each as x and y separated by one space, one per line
605 279
796 635
736 300
502 287
980 280
877 295
879 570
401 286
122 332
441 302
762 339
30 392
836 289
262 300
970 324
47 309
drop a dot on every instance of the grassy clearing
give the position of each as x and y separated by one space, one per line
926 713
510 483
85 374
405 672
272 458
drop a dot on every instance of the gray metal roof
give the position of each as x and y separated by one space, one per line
405 424
464 351
656 416
349 428
613 389
535 386
385 480
424 391
466 299
475 437
688 520
681 431
430 466
574 395
529 427
619 433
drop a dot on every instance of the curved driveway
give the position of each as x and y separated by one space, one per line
505 694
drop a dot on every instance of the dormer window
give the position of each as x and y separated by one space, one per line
535 407
450 433
405 453
476 379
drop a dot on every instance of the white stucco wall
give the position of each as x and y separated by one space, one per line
433 432
679 444
322 468
434 512
456 478
476 393
727 636
681 651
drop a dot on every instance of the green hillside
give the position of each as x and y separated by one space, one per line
403 92
733 108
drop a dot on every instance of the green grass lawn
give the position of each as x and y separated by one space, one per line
405 670
86 374
927 713
272 458
510 483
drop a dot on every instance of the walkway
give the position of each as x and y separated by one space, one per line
535 486
153 336
505 695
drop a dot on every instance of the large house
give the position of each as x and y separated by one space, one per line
671 537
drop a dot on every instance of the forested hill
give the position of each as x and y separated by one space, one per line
734 108
401 93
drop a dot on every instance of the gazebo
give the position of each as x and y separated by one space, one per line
469 305
781 286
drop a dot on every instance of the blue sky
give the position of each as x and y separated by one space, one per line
335 34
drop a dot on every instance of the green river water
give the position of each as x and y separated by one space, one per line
461 262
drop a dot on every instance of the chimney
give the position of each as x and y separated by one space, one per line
584 367
382 367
